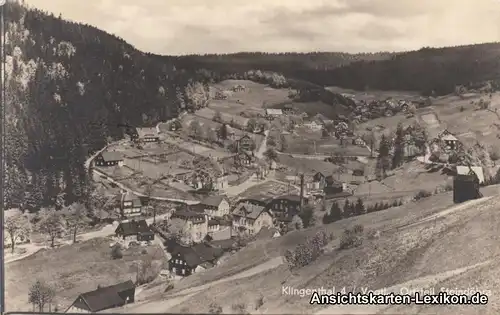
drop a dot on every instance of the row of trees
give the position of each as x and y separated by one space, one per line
351 209
49 221
55 221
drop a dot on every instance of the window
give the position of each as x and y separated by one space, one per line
183 271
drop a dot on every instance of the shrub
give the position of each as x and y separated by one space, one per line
422 194
147 271
448 187
239 308
358 228
307 252
352 238
494 155
373 234
214 308
259 302
116 252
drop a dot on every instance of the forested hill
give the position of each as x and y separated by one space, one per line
427 70
68 87
289 64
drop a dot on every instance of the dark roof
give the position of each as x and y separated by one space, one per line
133 227
224 244
261 197
295 198
106 297
188 215
248 210
338 195
111 156
129 196
213 201
197 254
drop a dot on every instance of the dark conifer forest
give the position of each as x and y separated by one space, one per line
70 85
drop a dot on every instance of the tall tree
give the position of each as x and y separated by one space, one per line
271 155
251 125
51 223
283 143
40 295
384 158
399 144
222 132
195 130
359 208
16 227
75 217
307 216
347 209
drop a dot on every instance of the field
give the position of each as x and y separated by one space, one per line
295 165
305 141
252 100
457 115
71 270
271 189
417 241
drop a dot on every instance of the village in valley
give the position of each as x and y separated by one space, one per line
249 165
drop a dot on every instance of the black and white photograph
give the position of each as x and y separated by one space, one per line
250 157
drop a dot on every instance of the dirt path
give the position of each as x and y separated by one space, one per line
415 284
263 146
176 299
106 231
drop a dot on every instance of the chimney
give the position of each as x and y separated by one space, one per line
301 191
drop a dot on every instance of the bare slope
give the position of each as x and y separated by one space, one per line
430 243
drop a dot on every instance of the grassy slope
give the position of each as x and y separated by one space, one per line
464 237
71 270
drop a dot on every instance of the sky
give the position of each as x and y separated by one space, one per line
176 27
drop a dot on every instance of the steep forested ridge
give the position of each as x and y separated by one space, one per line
68 87
427 70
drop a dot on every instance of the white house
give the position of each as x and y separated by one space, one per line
215 206
313 125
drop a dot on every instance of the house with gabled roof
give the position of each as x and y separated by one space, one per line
187 260
147 134
192 225
129 205
109 158
134 230
449 140
215 206
250 218
104 298
273 112
245 143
